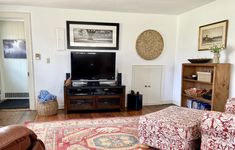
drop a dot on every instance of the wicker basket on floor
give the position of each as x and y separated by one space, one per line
48 108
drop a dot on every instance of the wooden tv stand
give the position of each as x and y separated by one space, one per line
87 98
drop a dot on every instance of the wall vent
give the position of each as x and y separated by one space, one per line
16 95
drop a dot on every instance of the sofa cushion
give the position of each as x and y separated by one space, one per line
174 126
218 131
230 106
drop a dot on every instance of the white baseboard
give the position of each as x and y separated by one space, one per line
61 106
158 103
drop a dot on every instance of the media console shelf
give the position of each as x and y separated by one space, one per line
86 98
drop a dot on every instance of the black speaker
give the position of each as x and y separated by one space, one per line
119 79
134 101
67 76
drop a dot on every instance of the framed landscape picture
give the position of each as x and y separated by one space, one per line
14 48
92 35
213 34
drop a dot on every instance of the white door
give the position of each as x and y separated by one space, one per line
14 59
25 17
1 85
148 81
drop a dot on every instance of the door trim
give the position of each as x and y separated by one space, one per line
27 25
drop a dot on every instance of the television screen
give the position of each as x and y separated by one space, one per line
93 66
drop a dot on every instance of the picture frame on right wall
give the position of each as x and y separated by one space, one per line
213 34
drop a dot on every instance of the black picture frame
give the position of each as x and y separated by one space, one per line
92 35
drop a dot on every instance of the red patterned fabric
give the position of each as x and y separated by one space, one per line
89 134
218 131
173 128
230 106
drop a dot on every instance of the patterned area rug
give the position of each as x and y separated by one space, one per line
90 134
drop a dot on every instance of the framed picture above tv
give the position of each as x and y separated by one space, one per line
92 35
213 34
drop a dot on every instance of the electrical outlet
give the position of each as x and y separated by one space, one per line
48 60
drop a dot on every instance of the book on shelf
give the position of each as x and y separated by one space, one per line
193 103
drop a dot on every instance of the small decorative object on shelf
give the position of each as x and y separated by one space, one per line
207 95
194 76
216 49
195 92
204 76
199 60
68 82
192 103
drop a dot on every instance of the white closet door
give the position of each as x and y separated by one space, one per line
139 81
148 81
154 85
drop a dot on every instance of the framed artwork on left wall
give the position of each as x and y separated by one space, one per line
92 35
213 34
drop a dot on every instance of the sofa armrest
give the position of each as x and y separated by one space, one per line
230 106
218 131
217 122
19 137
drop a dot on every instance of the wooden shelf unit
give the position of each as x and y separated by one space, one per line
219 84
88 98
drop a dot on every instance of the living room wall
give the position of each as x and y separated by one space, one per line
50 76
187 39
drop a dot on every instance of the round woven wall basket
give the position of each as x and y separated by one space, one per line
149 44
47 108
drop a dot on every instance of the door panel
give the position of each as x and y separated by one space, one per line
154 85
139 81
147 80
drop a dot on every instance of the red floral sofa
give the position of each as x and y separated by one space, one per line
218 129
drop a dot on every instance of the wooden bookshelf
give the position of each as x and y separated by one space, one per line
219 83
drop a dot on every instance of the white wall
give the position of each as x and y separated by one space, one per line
187 39
13 71
51 76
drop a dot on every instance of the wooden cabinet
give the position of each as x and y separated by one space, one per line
147 79
219 85
87 98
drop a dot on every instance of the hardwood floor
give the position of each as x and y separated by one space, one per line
16 116
8 117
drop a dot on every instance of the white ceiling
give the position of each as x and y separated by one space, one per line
138 6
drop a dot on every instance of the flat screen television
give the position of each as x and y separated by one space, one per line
93 66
